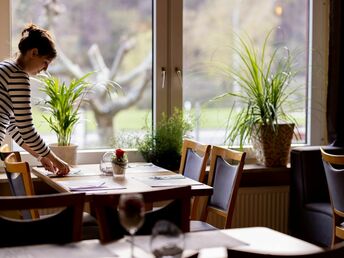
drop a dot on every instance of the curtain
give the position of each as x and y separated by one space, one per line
335 97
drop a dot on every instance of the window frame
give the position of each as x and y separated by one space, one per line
168 43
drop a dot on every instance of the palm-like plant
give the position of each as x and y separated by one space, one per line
264 83
63 104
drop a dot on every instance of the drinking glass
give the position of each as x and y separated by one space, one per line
167 240
131 210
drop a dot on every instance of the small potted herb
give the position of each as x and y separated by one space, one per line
162 145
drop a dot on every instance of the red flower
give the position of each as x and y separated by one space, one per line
119 157
119 153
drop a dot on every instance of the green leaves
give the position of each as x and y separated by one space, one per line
62 104
263 76
163 145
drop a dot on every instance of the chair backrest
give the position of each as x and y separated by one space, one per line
62 227
176 211
335 252
19 178
193 164
5 151
226 167
194 159
334 170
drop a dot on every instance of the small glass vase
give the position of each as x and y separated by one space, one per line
105 165
119 169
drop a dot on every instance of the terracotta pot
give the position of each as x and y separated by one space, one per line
272 146
66 153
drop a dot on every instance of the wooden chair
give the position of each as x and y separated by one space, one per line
19 178
193 165
336 252
5 151
177 211
62 227
226 167
334 170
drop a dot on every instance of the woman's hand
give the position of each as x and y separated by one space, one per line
47 164
61 167
54 164
50 162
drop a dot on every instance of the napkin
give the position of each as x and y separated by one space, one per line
72 172
89 185
167 177
167 180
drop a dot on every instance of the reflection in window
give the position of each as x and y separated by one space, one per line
114 39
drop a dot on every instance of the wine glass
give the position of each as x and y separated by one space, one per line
167 240
131 214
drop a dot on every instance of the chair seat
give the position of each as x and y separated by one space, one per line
197 225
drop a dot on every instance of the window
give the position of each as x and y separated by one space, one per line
210 32
178 35
114 39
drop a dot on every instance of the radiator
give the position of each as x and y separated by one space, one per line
260 206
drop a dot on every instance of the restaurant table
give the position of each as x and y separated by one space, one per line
139 177
209 244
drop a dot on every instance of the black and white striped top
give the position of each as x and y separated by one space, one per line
15 108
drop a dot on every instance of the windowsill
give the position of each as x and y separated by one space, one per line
255 175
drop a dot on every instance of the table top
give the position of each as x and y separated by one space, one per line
255 239
139 177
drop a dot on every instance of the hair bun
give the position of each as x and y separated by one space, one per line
31 29
35 37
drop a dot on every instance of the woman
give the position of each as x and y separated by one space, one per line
36 51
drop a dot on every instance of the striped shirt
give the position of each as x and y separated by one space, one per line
15 108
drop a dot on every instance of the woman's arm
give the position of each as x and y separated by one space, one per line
49 160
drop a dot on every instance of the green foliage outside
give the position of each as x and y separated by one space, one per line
132 119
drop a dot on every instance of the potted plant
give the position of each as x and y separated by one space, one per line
119 162
162 145
62 104
264 79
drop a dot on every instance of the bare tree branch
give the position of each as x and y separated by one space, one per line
97 62
73 68
141 68
123 49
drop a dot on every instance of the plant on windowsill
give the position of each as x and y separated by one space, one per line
62 107
264 78
162 146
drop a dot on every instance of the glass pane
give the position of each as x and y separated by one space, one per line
112 38
210 31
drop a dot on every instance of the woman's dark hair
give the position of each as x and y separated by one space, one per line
35 37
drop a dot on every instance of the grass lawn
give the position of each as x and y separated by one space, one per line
134 119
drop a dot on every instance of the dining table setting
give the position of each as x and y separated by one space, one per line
139 177
208 244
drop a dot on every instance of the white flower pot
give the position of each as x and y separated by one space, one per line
66 153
